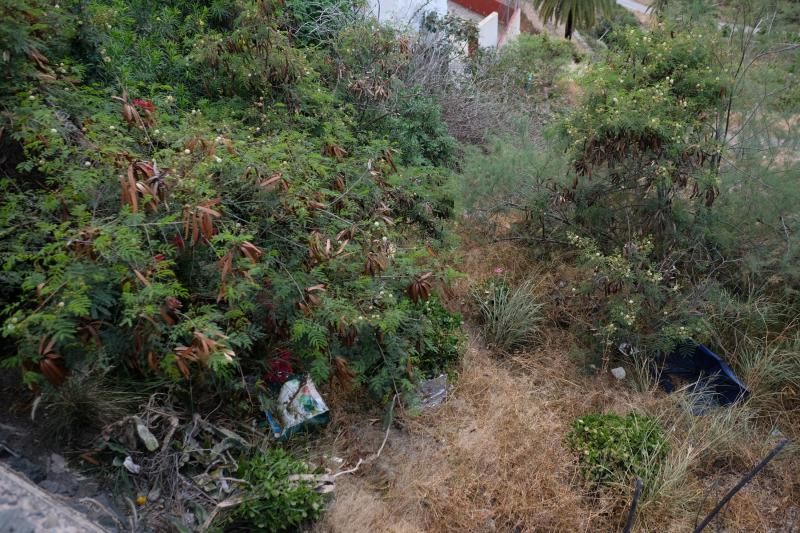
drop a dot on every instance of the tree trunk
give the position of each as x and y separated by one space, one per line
568 26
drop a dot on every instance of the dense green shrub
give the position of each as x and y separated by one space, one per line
207 196
376 65
275 502
633 300
643 143
612 448
445 342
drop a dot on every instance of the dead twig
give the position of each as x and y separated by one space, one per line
225 504
377 454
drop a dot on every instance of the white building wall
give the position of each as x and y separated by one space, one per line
406 12
488 30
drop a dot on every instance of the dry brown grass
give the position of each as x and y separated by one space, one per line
493 458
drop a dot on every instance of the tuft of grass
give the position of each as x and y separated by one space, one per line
511 316
772 373
86 401
701 450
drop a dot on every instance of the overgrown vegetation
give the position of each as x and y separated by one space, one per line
672 189
201 201
210 195
665 204
191 193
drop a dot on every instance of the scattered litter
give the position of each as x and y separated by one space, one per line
149 440
130 466
618 373
300 407
433 391
627 348
705 372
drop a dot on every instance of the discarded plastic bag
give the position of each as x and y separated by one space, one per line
300 406
433 391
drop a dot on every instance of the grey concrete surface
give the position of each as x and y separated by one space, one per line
26 508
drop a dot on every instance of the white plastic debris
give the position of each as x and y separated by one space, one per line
130 466
322 483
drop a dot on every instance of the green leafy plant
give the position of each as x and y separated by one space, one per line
644 144
511 316
612 448
278 497
444 341
634 300
191 204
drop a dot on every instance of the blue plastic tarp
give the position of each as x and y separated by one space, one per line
707 372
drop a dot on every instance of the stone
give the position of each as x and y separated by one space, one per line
26 508
618 373
33 471
149 440
57 463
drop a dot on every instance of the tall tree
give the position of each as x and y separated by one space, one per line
572 13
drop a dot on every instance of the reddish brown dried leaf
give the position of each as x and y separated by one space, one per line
183 367
54 371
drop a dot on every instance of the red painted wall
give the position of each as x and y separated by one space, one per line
486 7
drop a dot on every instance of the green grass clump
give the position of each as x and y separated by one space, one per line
511 316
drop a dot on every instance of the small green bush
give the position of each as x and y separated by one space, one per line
612 448
511 317
444 340
276 503
532 61
631 298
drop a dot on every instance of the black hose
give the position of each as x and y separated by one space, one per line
637 492
742 482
